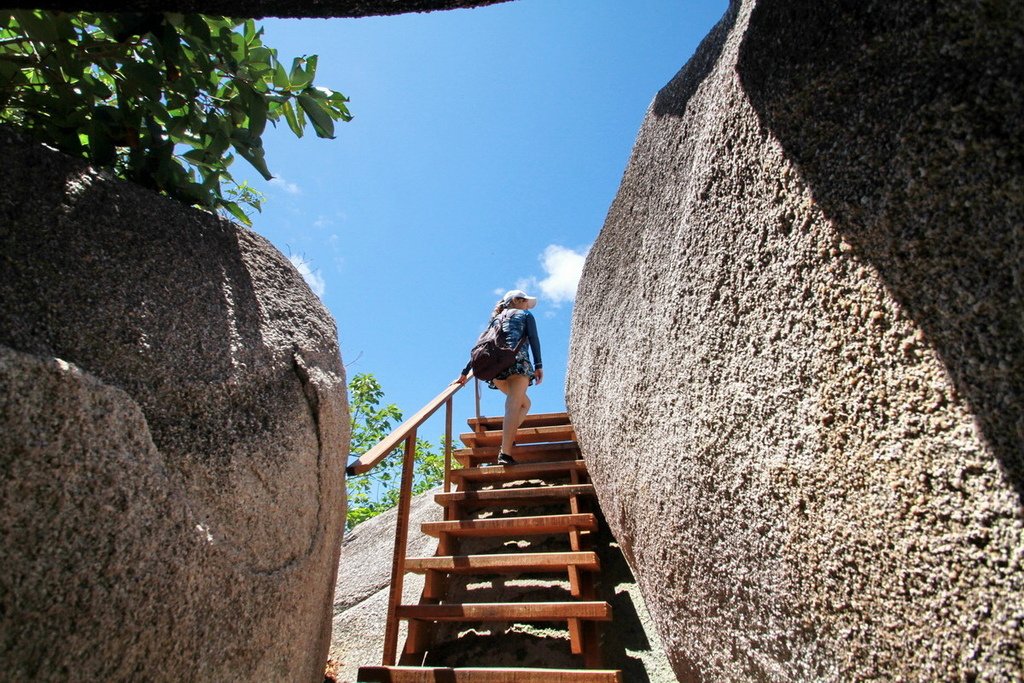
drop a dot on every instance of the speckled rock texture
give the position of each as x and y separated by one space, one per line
797 356
268 8
174 426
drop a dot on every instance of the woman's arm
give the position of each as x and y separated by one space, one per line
531 329
463 376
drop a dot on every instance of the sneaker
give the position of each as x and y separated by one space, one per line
505 459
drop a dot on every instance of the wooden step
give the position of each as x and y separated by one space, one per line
486 475
538 525
546 452
524 435
417 674
509 611
538 420
513 563
514 497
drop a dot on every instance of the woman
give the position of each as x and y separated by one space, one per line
514 381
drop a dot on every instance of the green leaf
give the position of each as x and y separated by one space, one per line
236 211
95 86
280 77
254 155
198 31
301 78
102 150
323 124
293 122
143 77
167 99
256 106
197 156
37 25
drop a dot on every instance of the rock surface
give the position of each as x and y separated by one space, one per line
174 424
364 581
797 359
269 8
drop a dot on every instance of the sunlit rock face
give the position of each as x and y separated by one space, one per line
797 357
172 435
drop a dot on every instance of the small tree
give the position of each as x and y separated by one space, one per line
377 491
160 98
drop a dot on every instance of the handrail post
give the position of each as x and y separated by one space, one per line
448 445
398 561
476 385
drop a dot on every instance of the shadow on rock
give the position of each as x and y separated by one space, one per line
904 119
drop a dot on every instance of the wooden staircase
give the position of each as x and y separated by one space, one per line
545 498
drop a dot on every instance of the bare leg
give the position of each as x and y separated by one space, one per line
517 404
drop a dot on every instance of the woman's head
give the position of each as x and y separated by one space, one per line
517 298
514 298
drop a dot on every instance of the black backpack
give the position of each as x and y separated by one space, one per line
491 355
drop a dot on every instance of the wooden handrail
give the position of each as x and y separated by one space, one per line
370 458
406 432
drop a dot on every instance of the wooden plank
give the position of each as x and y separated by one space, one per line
576 636
505 563
546 452
402 674
448 445
523 435
512 473
512 497
508 611
537 525
535 420
576 509
398 558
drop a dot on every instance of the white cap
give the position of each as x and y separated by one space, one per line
531 301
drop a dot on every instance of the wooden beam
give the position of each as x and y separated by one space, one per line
508 611
395 674
534 420
538 525
373 456
533 495
398 558
530 470
523 435
513 563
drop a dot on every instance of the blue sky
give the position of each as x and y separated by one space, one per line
486 148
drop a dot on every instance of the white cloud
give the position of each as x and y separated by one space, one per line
313 278
287 186
527 284
563 267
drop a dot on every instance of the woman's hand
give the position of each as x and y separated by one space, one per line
538 375
461 380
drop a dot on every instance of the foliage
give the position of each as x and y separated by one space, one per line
377 491
161 98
